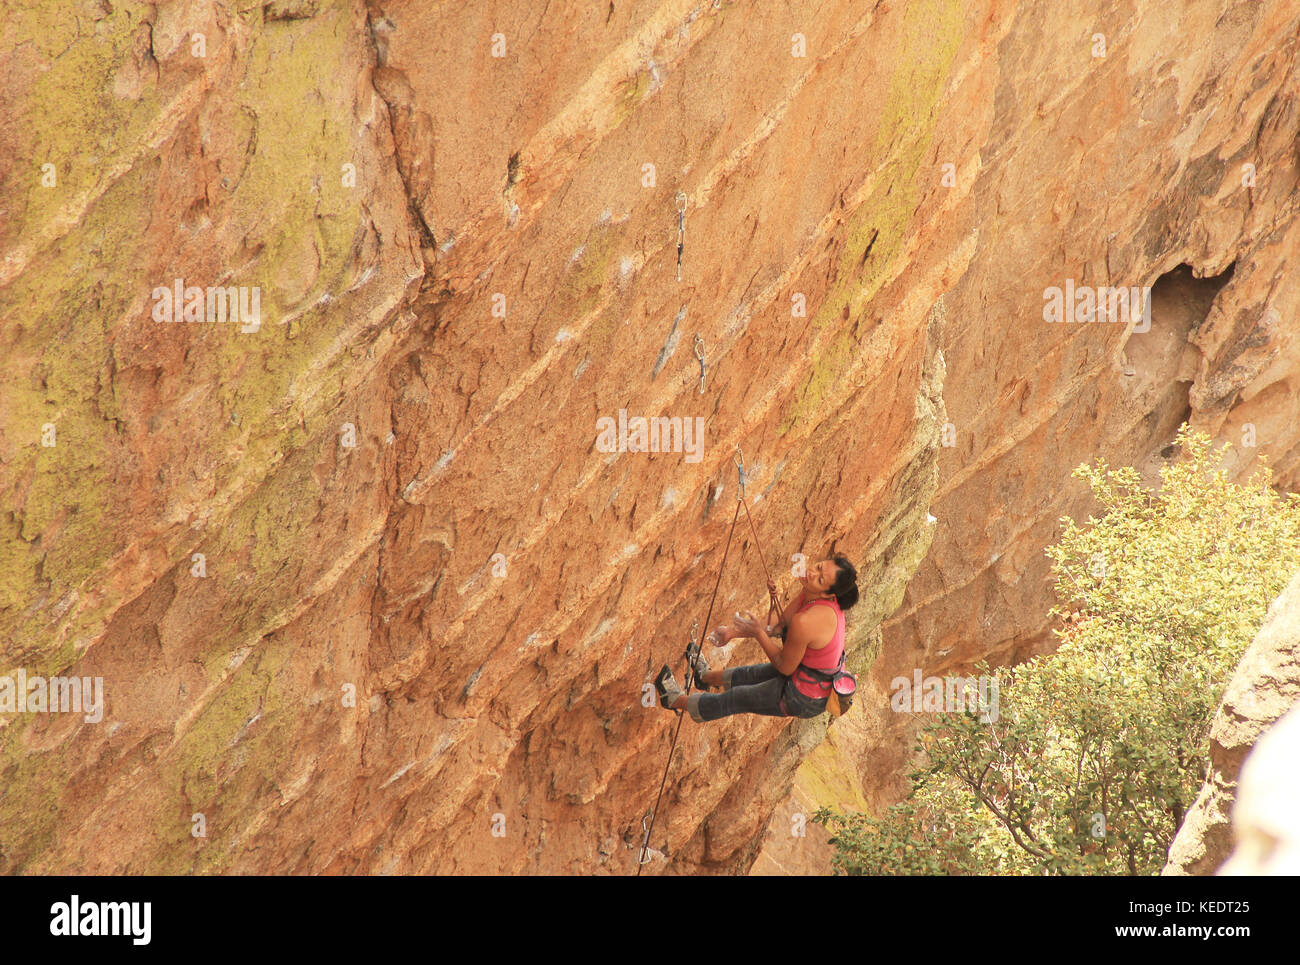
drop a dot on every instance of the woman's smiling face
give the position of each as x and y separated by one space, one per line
820 577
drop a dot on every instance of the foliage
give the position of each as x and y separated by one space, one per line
1098 749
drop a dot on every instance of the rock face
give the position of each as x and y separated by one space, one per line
1266 817
367 592
1120 170
1264 687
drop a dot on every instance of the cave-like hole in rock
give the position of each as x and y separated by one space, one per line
1180 303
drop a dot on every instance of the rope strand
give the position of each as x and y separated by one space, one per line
775 606
654 813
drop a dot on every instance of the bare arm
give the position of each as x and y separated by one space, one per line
791 652
777 651
773 648
790 610
807 629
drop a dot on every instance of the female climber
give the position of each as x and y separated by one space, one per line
810 635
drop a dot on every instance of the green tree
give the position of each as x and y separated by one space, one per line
1099 749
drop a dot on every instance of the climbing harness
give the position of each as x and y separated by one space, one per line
738 459
842 685
699 354
681 232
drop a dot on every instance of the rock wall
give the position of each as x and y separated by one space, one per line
1264 687
1266 815
1172 162
364 590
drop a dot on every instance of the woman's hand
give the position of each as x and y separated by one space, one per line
721 636
746 624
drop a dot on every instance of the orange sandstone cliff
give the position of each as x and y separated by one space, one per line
367 593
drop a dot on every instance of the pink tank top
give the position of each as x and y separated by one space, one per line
827 659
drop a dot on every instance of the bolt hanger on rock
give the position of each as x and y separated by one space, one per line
699 354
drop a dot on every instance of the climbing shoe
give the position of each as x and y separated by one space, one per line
666 684
697 664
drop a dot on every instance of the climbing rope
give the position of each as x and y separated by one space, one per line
648 821
775 605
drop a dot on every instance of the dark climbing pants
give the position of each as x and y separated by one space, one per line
757 689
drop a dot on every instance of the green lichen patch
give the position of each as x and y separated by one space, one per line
877 233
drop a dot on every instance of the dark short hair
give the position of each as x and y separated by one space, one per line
845 586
